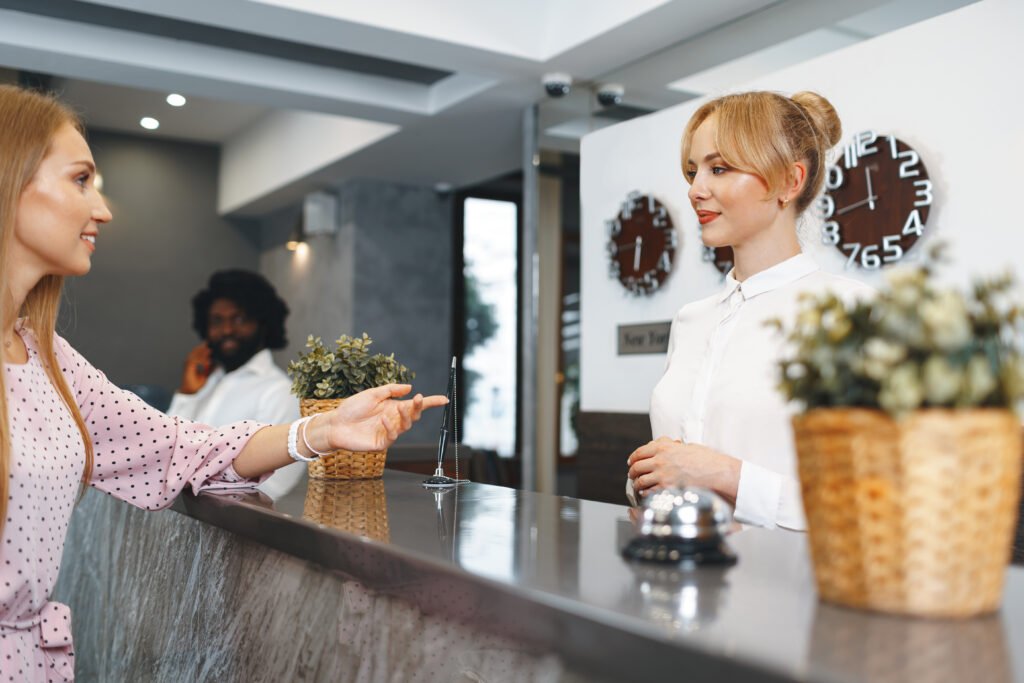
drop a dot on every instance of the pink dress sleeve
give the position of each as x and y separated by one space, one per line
143 456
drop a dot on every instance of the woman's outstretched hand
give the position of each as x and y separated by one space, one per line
372 419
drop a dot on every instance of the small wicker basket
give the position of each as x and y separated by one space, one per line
912 516
358 507
341 464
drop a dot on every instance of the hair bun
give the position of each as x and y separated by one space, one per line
823 115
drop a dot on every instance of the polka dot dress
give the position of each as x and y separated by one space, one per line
140 456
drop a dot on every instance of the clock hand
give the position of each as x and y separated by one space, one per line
871 195
636 254
870 200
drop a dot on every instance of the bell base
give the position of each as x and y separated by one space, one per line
678 550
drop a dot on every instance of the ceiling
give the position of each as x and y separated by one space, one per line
450 79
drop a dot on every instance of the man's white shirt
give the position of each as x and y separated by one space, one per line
260 391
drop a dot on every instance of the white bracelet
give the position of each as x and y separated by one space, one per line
318 454
293 433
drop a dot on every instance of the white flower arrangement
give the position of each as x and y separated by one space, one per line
913 346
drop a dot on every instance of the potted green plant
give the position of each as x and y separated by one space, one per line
322 378
908 447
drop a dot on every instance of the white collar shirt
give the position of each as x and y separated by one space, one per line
258 390
720 383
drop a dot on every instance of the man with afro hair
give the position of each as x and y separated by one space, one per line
230 375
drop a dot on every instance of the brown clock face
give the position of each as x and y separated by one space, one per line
877 201
641 244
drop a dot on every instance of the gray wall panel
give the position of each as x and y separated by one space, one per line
131 315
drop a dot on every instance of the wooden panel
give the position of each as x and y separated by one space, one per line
606 440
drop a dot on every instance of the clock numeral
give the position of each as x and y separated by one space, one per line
826 206
855 249
665 261
892 249
613 248
671 240
869 257
892 146
912 159
650 203
864 141
833 177
614 270
830 233
924 193
708 254
850 157
913 224
660 218
614 227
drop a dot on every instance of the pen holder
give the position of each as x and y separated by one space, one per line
341 464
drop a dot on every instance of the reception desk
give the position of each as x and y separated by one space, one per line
385 581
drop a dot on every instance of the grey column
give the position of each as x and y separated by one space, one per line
528 287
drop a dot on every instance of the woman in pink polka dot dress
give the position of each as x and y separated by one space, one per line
66 425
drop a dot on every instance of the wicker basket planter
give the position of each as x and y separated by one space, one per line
341 464
913 516
358 507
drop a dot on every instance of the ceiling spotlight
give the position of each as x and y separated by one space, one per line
557 84
176 100
149 123
610 94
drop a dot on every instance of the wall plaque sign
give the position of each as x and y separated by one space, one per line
644 338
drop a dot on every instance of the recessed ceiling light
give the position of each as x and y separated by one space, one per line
149 123
176 100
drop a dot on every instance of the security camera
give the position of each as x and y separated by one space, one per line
610 94
557 84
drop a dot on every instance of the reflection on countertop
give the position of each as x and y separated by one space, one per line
548 569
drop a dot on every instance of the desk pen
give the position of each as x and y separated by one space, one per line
439 479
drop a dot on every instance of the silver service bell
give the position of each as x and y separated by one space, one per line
685 525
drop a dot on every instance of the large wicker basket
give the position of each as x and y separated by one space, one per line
912 516
358 507
341 464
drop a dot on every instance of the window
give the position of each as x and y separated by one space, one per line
490 303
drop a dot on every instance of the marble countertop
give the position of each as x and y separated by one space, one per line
547 570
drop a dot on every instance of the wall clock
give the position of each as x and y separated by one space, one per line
876 202
720 257
641 244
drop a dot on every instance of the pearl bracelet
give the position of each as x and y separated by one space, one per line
309 446
293 439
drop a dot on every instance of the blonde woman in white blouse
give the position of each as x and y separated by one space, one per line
754 162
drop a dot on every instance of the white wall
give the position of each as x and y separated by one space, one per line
947 86
285 146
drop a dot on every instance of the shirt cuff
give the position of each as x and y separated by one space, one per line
181 404
768 499
230 480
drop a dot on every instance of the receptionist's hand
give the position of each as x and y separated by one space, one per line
666 463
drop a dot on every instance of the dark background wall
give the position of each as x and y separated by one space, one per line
131 315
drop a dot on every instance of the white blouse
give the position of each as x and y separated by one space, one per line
720 383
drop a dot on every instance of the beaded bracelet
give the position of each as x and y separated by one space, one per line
319 454
293 445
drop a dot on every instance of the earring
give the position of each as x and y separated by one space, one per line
784 203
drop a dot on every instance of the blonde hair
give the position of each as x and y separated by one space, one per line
765 133
28 123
